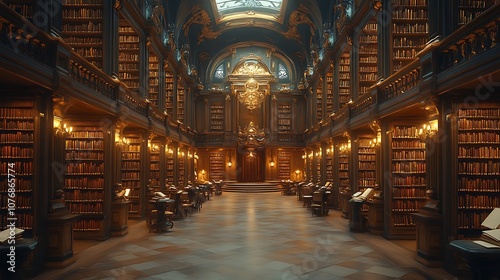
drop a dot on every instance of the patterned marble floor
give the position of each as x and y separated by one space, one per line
247 236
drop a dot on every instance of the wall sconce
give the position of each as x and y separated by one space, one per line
345 148
297 174
271 163
203 174
376 141
60 126
428 130
229 164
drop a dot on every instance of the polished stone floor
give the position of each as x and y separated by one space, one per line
247 236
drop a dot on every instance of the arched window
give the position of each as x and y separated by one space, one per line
219 72
282 72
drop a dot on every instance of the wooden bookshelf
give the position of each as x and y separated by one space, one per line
470 9
128 68
478 166
408 183
367 164
329 167
343 172
216 166
217 117
368 51
82 28
131 173
284 161
180 100
23 7
181 168
284 117
170 168
410 30
154 86
84 181
344 95
319 100
154 164
17 160
169 91
329 92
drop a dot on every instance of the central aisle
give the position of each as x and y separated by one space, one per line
247 236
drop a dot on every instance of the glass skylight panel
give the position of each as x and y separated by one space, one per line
226 6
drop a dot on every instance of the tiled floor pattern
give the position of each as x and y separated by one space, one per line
247 236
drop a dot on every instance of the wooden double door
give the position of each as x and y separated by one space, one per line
252 167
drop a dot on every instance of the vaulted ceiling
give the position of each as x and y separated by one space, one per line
209 27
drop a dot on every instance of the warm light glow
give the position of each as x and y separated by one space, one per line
271 163
229 164
428 130
57 122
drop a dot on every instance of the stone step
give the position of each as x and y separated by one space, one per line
251 187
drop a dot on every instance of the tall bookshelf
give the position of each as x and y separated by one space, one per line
154 164
319 100
478 166
169 173
128 68
169 90
366 166
216 166
344 95
410 30
217 117
284 117
284 160
180 100
154 86
366 163
181 168
329 167
343 171
22 7
131 172
17 160
84 181
408 184
82 28
329 92
368 50
470 9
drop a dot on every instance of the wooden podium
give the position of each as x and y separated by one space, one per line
60 239
119 218
375 216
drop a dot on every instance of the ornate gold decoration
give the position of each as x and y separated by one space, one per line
299 17
251 137
252 97
200 16
251 69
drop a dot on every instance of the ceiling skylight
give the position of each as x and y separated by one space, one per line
227 6
244 9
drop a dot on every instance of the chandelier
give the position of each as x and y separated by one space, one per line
251 137
252 97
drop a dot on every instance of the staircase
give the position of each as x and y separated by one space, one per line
251 187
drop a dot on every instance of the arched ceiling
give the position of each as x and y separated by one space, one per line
293 30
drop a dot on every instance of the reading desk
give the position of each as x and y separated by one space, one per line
483 262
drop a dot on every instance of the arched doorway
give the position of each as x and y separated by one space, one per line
251 170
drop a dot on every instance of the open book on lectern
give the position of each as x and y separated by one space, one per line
492 222
363 196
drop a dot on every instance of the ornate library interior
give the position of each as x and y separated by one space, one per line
273 139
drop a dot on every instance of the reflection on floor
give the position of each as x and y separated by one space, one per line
247 236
